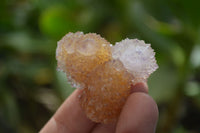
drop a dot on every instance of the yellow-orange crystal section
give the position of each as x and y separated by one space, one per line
77 54
107 91
104 72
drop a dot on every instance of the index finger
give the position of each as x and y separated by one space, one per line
69 118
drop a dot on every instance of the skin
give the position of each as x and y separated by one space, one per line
139 115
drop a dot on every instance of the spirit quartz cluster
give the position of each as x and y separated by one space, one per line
104 72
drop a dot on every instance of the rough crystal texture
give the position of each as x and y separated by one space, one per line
137 57
107 91
105 72
77 54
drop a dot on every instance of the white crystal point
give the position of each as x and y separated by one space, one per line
87 47
137 57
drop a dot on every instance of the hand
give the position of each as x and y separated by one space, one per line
139 115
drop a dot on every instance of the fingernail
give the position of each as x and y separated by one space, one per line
139 87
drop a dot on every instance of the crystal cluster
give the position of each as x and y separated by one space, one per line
77 54
104 72
138 58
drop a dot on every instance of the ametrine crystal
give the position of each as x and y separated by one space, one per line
104 72
107 91
138 58
77 54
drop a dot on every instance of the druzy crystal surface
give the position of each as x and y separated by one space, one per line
104 72
77 54
107 91
138 58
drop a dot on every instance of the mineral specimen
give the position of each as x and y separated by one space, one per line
106 93
104 72
138 58
77 54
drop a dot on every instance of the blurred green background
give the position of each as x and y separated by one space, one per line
31 89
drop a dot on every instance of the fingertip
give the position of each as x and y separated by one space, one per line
139 87
104 128
139 114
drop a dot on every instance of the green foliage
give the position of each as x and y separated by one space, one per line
31 89
57 21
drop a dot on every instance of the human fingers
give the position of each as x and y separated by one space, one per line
104 128
110 128
139 87
139 114
69 118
